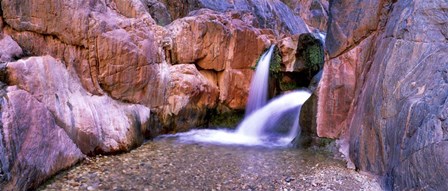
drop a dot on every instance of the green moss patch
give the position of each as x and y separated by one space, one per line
228 119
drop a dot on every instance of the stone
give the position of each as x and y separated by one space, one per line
302 52
1 21
313 12
97 124
200 40
413 92
352 22
215 41
273 14
307 122
158 11
337 89
395 125
129 68
44 16
114 47
33 146
189 97
288 47
10 49
412 172
234 87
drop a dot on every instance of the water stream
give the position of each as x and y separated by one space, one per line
273 125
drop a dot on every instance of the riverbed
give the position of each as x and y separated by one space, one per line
170 164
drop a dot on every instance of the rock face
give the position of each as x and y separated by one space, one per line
95 123
386 89
313 12
33 147
214 42
270 14
190 97
90 72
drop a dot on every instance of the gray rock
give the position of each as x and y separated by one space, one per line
158 12
270 14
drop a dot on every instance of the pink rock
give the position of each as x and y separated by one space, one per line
97 124
10 49
215 41
33 147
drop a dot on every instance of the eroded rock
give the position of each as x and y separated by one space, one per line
352 22
158 11
269 14
189 97
215 41
114 46
313 12
225 46
10 49
97 124
395 125
33 147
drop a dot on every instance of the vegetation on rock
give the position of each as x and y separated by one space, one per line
227 119
314 57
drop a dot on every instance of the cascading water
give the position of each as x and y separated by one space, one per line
274 124
258 92
278 121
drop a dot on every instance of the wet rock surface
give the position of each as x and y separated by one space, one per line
167 164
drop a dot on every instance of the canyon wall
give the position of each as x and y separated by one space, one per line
384 91
80 78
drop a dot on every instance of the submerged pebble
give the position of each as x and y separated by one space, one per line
167 164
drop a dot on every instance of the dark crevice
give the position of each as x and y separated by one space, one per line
310 51
356 43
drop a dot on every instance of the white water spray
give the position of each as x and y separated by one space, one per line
258 92
271 125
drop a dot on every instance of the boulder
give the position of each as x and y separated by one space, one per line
97 124
189 98
33 147
1 21
403 102
10 49
215 41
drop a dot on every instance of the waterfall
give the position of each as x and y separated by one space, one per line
258 92
272 124
278 120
